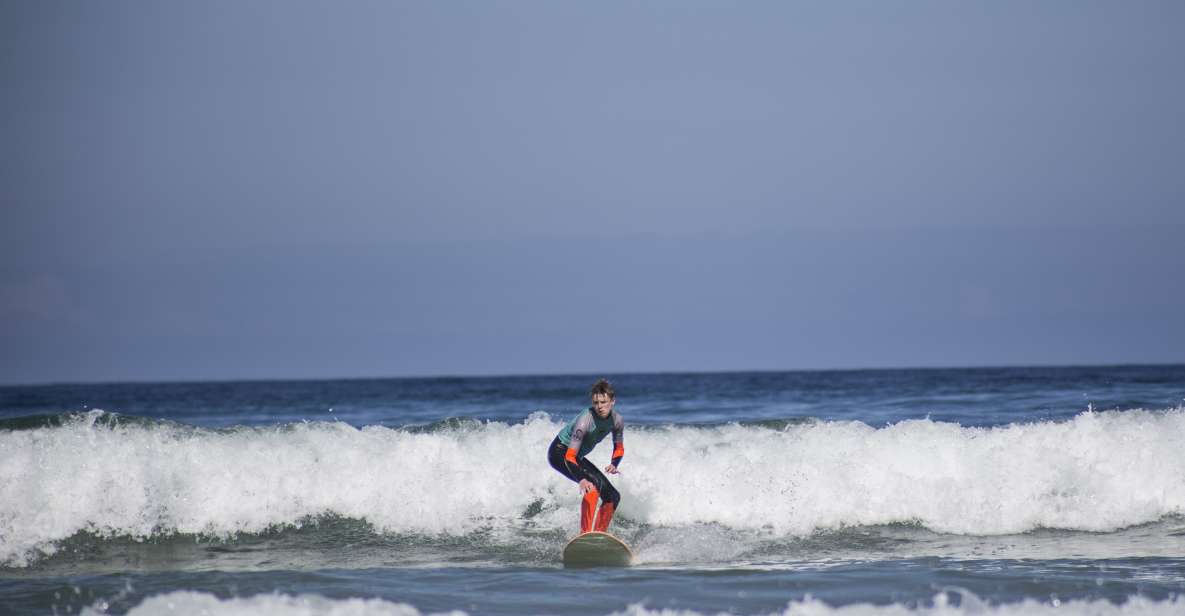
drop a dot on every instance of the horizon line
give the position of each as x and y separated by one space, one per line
593 374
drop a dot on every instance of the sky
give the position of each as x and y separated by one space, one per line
284 189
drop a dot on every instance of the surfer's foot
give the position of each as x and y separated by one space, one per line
604 517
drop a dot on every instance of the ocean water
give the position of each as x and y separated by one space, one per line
976 491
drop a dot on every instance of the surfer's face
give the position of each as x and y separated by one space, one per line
602 405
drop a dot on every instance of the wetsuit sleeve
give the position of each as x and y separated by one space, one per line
578 432
618 439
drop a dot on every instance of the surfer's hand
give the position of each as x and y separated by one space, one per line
586 486
611 469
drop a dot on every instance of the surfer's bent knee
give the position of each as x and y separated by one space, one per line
609 494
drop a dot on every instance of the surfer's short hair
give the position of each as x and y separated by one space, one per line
602 387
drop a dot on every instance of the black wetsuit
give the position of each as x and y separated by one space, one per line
581 435
583 470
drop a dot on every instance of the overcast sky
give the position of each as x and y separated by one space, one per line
209 190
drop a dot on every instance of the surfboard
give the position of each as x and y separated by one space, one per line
597 549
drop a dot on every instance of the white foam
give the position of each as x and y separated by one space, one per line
970 604
182 603
1097 472
141 481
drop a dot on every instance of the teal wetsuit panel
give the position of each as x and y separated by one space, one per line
586 430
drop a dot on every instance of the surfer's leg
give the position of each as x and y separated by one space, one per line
588 509
609 494
610 497
588 503
604 517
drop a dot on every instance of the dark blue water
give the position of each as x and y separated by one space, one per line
1009 490
971 397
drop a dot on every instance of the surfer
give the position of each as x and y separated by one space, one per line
566 455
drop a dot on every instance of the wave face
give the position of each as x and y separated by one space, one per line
114 476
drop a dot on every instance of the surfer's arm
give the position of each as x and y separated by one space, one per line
618 440
572 463
570 456
586 484
618 454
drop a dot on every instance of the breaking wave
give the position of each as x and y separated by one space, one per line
198 603
111 475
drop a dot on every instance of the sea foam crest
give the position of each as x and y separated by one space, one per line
1096 472
942 606
182 603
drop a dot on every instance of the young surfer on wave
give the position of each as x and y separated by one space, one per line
578 438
